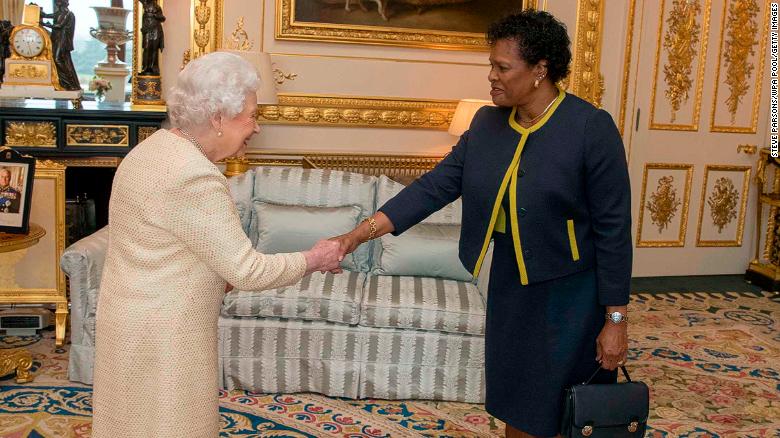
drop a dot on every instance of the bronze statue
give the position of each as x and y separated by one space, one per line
153 39
5 45
62 28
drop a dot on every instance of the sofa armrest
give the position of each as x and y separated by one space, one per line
83 262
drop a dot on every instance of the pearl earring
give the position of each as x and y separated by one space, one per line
219 133
536 83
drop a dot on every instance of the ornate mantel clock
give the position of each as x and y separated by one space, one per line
30 70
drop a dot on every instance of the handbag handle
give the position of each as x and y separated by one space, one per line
622 367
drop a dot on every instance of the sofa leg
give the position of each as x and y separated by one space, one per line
61 316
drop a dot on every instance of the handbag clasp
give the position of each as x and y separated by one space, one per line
587 430
633 426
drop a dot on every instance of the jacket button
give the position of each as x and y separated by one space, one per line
522 211
521 173
527 254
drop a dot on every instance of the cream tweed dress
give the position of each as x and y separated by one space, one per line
174 235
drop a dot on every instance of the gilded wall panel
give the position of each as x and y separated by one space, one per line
663 209
723 206
740 71
678 71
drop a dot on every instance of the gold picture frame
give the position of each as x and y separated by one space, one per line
663 204
38 267
725 205
288 27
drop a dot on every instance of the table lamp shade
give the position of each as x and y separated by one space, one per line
464 113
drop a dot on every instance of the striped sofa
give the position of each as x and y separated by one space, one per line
355 334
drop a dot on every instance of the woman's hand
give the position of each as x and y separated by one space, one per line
324 256
347 242
612 345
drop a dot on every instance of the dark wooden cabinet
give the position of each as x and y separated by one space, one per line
53 129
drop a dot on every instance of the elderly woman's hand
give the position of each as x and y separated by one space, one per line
324 256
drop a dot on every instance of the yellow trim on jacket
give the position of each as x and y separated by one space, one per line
511 177
575 252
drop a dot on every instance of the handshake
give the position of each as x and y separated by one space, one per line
326 255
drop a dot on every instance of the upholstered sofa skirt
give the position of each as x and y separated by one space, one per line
280 355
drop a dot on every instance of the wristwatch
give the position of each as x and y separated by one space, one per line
616 317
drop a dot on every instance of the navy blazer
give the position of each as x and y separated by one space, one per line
572 206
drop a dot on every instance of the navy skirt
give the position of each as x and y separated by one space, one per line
539 340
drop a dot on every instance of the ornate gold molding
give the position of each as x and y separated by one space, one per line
370 164
586 81
740 26
19 360
663 204
680 41
97 135
280 76
723 201
379 112
206 24
31 134
89 162
239 39
742 36
627 67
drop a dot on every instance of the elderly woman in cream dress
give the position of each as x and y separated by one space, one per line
175 243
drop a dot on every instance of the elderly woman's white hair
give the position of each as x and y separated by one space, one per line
214 84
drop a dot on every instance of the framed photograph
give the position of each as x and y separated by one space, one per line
437 24
16 183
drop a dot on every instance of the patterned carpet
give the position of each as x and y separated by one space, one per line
712 362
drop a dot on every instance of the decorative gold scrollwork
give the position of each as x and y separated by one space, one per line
18 360
680 42
239 39
202 35
27 71
145 131
742 37
723 203
97 135
31 134
663 203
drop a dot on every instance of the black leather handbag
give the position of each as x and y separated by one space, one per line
613 410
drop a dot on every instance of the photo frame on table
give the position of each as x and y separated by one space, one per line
16 185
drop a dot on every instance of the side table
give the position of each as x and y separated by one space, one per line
15 245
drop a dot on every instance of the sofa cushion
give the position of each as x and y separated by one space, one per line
424 250
319 188
326 297
423 303
293 228
450 214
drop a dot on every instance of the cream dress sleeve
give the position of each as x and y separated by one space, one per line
202 215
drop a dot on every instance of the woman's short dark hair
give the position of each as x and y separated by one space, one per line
538 36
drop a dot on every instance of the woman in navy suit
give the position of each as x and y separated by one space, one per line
543 174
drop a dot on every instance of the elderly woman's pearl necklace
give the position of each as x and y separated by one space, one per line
192 140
